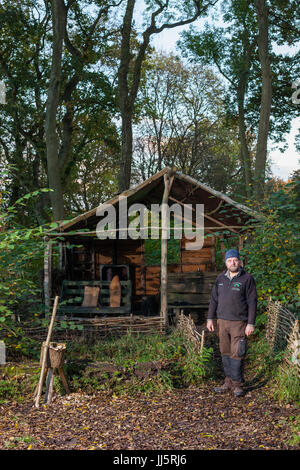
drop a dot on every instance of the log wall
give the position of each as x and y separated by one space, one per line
86 260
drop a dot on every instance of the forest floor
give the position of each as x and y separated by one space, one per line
183 419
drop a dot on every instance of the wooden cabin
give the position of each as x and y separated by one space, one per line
154 288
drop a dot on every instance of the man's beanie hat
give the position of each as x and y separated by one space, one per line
232 254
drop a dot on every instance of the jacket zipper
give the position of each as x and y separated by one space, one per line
231 279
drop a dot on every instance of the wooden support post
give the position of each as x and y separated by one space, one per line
241 243
48 276
181 249
168 180
43 380
60 255
115 244
49 385
63 379
62 259
93 259
44 355
213 254
222 247
143 268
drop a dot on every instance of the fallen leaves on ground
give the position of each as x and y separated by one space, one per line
185 419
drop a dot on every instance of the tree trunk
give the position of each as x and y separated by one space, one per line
59 15
266 97
126 152
244 151
128 94
125 100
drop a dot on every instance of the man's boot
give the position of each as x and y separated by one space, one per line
227 385
238 390
237 377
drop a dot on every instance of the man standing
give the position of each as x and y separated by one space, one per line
234 303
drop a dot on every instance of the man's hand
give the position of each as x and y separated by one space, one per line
210 325
249 330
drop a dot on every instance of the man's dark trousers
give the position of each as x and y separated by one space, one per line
233 345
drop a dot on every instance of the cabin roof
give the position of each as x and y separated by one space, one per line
220 211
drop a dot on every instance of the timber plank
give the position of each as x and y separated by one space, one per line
187 298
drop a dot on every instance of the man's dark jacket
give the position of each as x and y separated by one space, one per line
235 298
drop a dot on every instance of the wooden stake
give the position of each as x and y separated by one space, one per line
168 180
143 268
45 351
43 380
202 341
47 276
63 379
49 385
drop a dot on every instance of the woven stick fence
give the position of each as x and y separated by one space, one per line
91 330
186 325
282 332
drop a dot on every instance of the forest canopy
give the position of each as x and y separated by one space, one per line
92 107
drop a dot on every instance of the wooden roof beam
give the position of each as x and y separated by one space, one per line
212 219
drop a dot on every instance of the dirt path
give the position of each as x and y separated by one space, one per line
195 418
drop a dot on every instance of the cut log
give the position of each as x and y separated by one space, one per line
91 295
115 292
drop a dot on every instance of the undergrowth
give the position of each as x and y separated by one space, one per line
266 366
181 365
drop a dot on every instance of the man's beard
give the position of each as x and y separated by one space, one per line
233 269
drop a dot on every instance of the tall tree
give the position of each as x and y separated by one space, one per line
182 124
266 96
59 19
259 79
84 117
58 156
231 50
23 66
160 16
